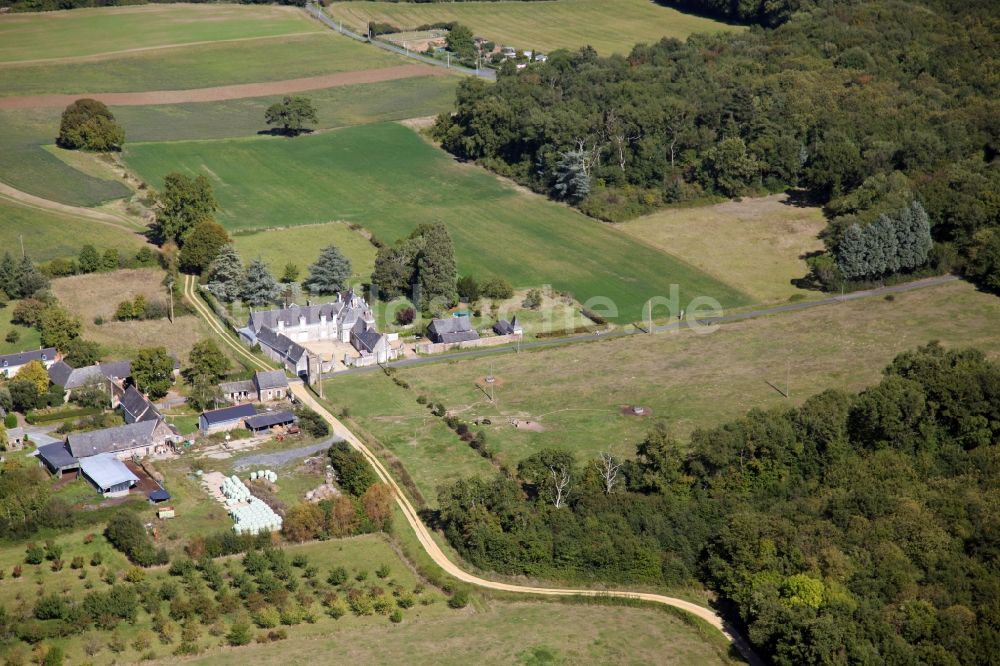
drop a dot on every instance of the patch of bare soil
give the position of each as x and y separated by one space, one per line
524 424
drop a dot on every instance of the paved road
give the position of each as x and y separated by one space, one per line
321 16
675 326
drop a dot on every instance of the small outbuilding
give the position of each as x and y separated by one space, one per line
57 458
108 474
504 327
268 420
451 330
225 419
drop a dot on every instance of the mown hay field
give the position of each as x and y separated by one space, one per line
609 27
387 179
90 32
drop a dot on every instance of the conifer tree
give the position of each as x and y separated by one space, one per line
259 286
330 273
226 273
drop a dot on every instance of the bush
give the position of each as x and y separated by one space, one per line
354 474
405 316
127 534
338 576
240 633
34 554
267 618
460 598
383 571
312 423
12 336
496 288
397 616
96 559
533 300
10 421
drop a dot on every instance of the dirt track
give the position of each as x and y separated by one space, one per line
221 93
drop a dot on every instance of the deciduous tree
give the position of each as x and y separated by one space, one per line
182 204
291 114
153 371
202 246
89 125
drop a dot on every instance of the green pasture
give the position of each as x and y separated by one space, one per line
199 66
87 32
608 26
335 107
26 165
387 179
576 393
28 338
48 235
301 246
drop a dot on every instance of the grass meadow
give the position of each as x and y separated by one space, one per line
199 66
28 338
691 381
98 294
73 34
387 179
302 245
609 27
716 238
48 235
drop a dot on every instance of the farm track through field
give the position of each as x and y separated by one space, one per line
223 93
423 535
101 217
92 57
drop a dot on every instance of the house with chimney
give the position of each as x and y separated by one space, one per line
262 387
11 363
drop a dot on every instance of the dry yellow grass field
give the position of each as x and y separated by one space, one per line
754 245
98 294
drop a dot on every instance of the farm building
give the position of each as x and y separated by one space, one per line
504 327
452 329
370 342
108 474
330 321
263 422
136 407
57 458
104 374
279 347
139 439
225 419
263 387
11 363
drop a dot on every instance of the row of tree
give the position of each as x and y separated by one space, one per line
420 266
854 529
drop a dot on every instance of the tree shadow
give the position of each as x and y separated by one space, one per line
281 131
800 198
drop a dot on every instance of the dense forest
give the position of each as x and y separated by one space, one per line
868 106
853 529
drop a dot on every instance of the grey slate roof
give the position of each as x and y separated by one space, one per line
111 440
242 386
138 406
452 329
365 336
228 414
290 316
282 344
56 455
20 358
65 375
272 379
503 327
270 419
106 471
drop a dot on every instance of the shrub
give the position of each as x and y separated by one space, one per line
267 618
126 533
496 288
405 316
301 561
34 554
354 473
396 616
16 571
383 571
382 604
241 633
460 599
312 423
12 336
360 603
533 300
96 559
338 576
53 551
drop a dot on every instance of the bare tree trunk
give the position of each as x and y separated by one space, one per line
560 484
609 471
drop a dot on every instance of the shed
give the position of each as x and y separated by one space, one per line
451 330
108 474
227 418
159 495
269 420
57 458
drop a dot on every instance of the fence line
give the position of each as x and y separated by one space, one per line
319 14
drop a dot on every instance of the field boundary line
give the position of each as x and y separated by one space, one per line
90 57
230 92
22 198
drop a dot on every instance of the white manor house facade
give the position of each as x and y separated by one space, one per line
284 335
